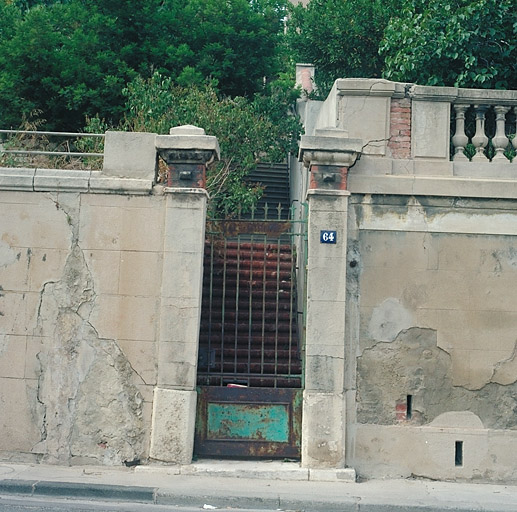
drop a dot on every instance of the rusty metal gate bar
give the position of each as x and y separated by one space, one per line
249 328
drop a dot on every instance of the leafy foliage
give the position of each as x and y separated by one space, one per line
247 129
468 43
458 43
340 37
234 43
58 62
72 58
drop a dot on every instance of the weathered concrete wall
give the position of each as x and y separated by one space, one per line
411 365
436 336
80 281
430 332
100 300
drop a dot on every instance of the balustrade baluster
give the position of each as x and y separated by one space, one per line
460 139
514 140
500 140
480 140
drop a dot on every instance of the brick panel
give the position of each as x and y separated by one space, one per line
400 128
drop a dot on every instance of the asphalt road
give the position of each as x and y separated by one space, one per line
29 504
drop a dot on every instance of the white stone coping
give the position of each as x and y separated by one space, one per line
329 144
46 180
461 95
487 96
442 186
329 149
185 190
188 141
432 93
51 179
387 88
328 193
364 87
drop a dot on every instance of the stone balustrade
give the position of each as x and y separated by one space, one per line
449 123
489 128
409 129
413 139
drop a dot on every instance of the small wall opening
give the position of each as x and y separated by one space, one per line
409 406
458 453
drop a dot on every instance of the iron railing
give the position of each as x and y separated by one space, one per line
250 333
36 148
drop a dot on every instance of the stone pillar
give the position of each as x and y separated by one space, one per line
305 77
187 150
328 158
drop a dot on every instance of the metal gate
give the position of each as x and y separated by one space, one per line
250 371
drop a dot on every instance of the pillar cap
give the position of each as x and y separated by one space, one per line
188 138
329 146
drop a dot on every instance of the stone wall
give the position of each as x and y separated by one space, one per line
80 278
437 334
429 334
411 335
100 295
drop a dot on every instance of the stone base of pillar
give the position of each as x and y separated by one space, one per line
173 424
323 430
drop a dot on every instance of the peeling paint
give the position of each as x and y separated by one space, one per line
505 372
414 365
90 405
388 320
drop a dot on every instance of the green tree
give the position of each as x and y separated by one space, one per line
340 37
457 43
248 130
71 59
235 43
56 61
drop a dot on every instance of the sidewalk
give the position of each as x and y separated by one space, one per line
250 485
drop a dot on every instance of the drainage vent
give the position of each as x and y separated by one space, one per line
458 453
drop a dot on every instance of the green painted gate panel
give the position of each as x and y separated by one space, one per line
248 422
263 422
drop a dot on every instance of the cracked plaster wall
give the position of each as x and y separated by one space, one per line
434 287
414 365
450 295
79 291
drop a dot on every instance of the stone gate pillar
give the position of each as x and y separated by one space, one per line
187 151
328 155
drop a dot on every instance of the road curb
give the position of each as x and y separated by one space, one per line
220 502
17 486
78 490
345 504
255 499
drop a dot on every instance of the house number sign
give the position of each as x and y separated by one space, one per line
328 237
